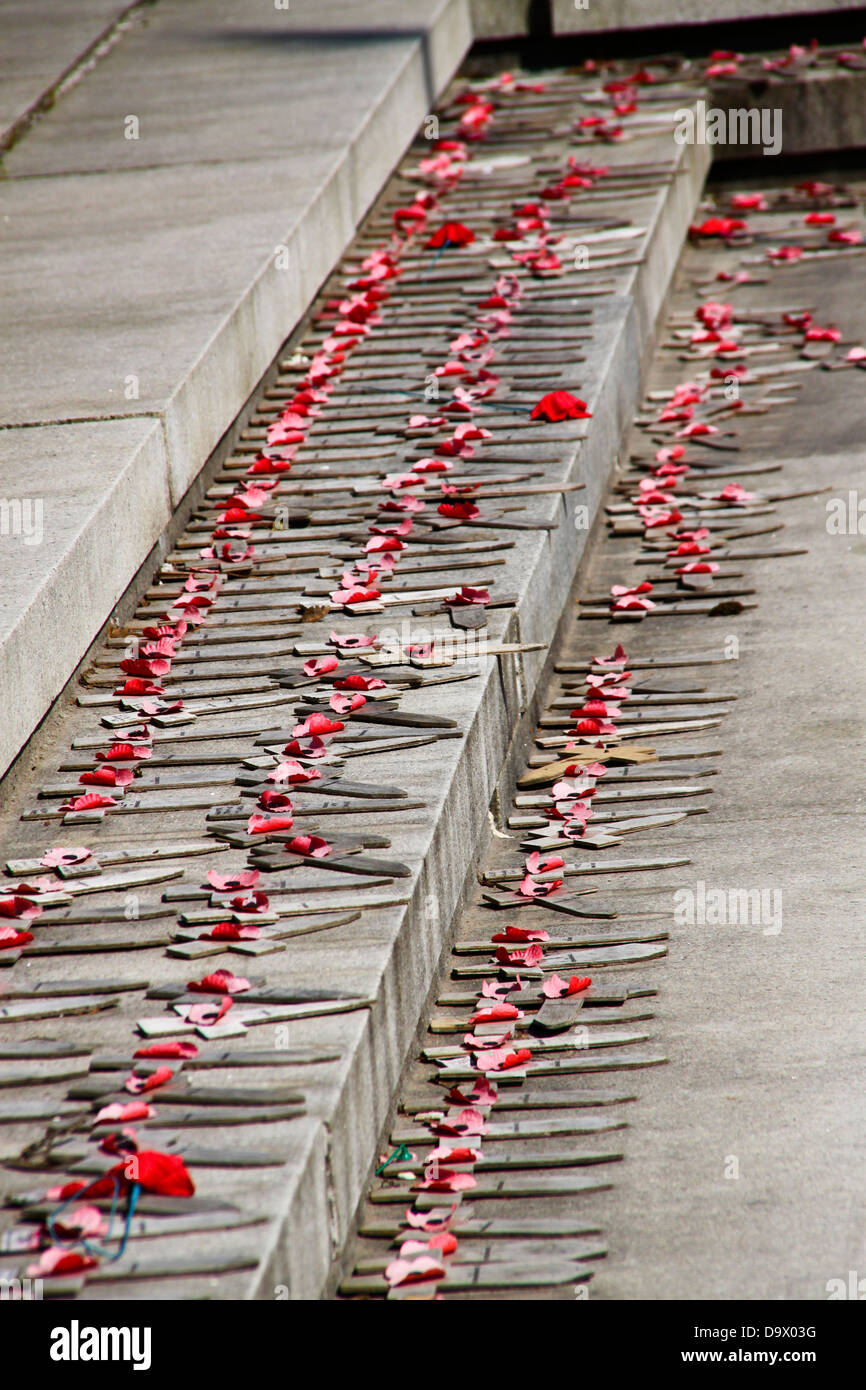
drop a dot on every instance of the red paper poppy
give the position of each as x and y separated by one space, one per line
219 982
560 405
161 1050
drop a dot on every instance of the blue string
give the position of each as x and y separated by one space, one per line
93 1248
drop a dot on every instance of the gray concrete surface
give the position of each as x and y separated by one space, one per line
765 1032
42 45
597 15
140 275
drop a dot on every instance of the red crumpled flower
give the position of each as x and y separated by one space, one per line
461 511
268 825
219 982
718 226
107 777
451 234
232 931
163 1174
19 908
516 934
446 1182
91 801
560 405
310 845
57 1261
466 597
124 752
496 1013
160 1050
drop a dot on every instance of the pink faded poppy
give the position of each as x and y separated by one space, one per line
468 1122
76 854
82 1222
219 982
619 657
445 1243
420 1270
698 567
318 666
268 825
292 771
785 253
183 1050
429 1221
346 704
845 237
209 1014
503 1059
748 202
734 493
557 988
318 724
226 883
11 938
670 453
446 1181
138 1085
443 464
350 641
531 888
483 1092
250 902
122 1114
445 1153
